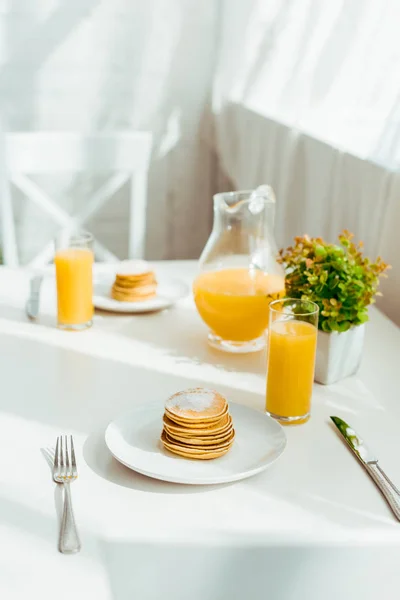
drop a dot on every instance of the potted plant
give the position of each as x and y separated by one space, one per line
343 283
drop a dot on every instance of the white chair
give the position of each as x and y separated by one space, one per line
126 155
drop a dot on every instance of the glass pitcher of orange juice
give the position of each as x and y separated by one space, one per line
239 274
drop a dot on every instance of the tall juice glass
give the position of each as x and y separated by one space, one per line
292 344
74 266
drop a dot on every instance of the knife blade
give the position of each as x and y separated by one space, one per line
370 463
355 442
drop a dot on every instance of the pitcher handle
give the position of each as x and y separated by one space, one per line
266 191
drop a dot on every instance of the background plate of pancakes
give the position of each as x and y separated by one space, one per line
134 440
134 288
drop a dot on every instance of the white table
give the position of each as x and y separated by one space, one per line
313 526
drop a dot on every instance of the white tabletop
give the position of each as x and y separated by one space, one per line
313 522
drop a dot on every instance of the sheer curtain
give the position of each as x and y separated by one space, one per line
306 98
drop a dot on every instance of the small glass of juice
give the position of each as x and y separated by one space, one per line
292 345
74 274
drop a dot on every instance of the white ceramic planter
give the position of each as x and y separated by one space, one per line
338 354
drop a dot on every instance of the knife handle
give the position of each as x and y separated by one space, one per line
32 305
388 489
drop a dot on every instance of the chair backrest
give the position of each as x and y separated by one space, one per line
127 154
46 152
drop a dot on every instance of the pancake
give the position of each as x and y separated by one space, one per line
198 424
132 295
196 404
223 427
193 452
128 283
198 447
207 442
205 456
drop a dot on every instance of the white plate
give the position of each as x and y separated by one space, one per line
134 440
169 291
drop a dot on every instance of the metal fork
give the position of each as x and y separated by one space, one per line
65 472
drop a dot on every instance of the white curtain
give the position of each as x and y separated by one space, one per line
306 98
90 65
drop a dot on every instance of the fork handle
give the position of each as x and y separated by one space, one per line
69 539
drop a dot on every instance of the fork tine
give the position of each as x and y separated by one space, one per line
67 461
56 456
74 469
61 455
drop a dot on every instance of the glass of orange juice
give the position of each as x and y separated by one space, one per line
292 344
74 265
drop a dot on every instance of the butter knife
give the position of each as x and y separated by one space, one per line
32 305
370 463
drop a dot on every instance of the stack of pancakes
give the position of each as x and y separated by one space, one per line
197 424
134 282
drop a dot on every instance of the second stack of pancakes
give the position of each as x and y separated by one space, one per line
197 424
134 282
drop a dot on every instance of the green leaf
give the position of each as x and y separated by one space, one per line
320 250
358 283
323 277
325 326
363 316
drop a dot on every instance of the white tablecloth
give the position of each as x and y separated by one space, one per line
313 526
